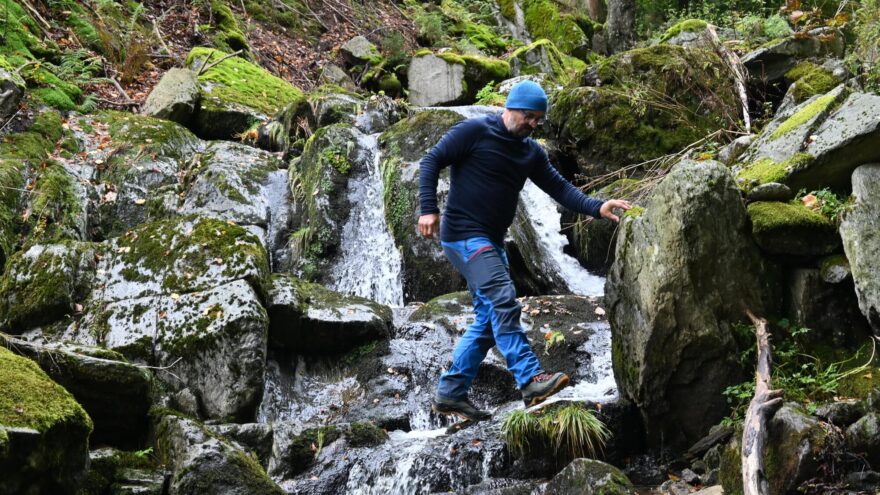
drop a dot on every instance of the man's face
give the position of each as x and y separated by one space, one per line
522 123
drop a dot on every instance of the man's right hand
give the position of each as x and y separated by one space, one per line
429 224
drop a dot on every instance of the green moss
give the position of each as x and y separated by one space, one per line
810 79
228 36
301 456
236 80
508 10
633 212
544 20
766 170
455 302
147 136
484 38
804 115
771 216
451 57
490 68
366 435
564 68
30 399
686 26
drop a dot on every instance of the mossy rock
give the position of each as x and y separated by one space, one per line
365 435
319 181
295 450
45 431
792 229
808 79
235 94
590 477
606 127
43 283
543 56
685 26
310 319
593 239
544 20
426 273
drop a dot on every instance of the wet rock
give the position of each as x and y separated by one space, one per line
830 310
123 473
236 94
332 108
606 129
834 269
771 191
532 270
792 229
426 272
12 88
770 63
175 97
254 437
309 319
435 81
359 50
690 477
842 413
44 435
791 456
863 480
697 205
643 470
204 463
504 487
380 113
863 437
44 283
334 74
819 145
589 476
717 435
730 153
862 246
675 487
115 394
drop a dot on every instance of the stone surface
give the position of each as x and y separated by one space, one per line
43 431
792 453
842 413
770 63
588 477
771 191
862 244
831 311
730 153
863 437
116 395
175 97
310 319
792 229
334 74
359 50
434 81
204 463
684 269
12 88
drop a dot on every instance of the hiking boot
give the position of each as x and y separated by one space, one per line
461 407
543 386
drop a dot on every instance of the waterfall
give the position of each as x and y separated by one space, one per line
369 263
546 220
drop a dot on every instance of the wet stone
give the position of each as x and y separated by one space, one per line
771 191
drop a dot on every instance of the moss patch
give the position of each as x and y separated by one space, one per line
767 216
810 79
544 20
804 115
366 435
236 80
686 26
564 68
766 170
30 399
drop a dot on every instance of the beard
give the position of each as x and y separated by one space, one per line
520 131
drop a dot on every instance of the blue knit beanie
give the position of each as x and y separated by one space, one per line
527 95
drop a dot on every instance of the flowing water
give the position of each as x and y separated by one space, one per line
419 457
369 264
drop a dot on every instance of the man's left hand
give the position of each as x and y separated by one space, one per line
607 208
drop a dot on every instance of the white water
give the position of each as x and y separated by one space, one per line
546 220
467 111
369 264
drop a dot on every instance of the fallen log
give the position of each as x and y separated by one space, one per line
763 406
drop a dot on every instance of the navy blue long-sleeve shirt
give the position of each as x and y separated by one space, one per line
489 169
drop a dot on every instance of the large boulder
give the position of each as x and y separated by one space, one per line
44 432
435 80
175 97
794 449
818 145
306 318
426 272
859 231
863 437
116 394
236 94
829 308
531 268
202 462
772 61
605 128
543 57
684 271
12 88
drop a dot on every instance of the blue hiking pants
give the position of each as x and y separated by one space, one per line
484 266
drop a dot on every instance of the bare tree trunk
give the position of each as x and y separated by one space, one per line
763 406
620 31
596 10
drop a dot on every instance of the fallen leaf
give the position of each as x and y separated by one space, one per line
810 201
476 441
868 376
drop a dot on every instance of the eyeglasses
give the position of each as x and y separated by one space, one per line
537 118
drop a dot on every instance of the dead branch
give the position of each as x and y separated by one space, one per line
205 66
739 74
158 34
121 91
763 406
36 14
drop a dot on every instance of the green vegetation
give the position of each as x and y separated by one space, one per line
563 68
488 96
768 216
686 26
808 373
826 202
818 106
766 170
809 80
544 20
864 59
366 435
572 430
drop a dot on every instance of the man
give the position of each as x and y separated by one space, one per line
491 158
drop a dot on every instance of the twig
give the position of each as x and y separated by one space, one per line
161 39
763 406
10 119
21 68
119 103
36 14
205 66
306 5
120 90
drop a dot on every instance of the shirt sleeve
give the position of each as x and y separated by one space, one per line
451 149
545 176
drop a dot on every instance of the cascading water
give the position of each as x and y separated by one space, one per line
369 264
